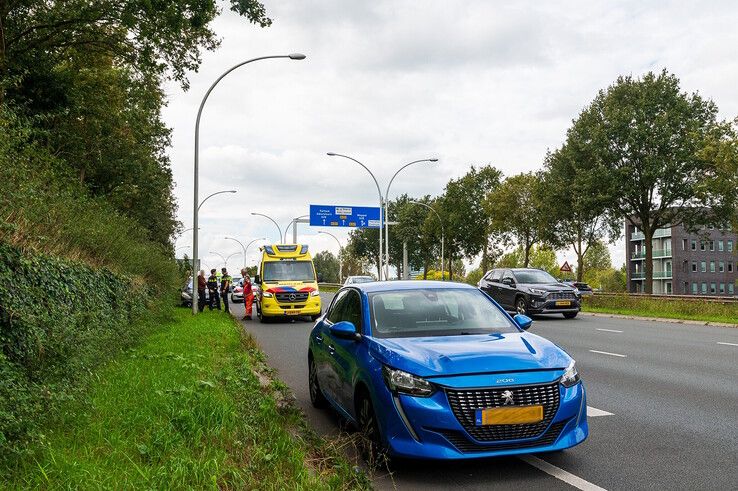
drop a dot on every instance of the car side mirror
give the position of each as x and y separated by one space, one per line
345 330
257 279
523 321
508 281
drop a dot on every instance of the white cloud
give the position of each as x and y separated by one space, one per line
392 81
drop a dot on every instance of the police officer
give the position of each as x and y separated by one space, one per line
225 286
213 290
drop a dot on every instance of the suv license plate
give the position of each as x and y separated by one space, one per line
509 415
563 303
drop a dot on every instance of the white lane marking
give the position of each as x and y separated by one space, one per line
560 474
593 412
728 344
609 330
606 353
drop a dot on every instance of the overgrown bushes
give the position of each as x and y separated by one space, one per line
669 308
58 319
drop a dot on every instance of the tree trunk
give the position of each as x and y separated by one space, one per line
527 254
450 272
580 259
484 259
648 262
425 269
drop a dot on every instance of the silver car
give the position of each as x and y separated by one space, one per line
353 280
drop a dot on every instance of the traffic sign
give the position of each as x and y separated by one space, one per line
565 268
344 216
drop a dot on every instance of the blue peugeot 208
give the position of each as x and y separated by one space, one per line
438 370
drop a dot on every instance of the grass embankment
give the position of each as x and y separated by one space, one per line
191 407
661 307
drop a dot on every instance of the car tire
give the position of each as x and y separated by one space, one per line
262 318
570 315
370 439
315 317
521 306
317 399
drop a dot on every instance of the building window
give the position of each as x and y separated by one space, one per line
685 290
712 287
694 244
730 266
721 245
722 288
712 266
694 288
731 288
703 266
712 245
702 245
721 267
694 266
704 288
684 244
730 246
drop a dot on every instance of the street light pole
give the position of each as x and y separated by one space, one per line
293 223
279 230
381 202
386 205
340 263
242 248
443 233
195 201
214 194
220 256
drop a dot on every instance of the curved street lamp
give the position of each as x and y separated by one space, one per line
214 194
293 224
195 201
279 230
340 264
381 217
386 204
443 233
246 247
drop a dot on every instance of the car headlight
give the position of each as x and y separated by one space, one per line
536 291
315 293
407 383
267 294
570 376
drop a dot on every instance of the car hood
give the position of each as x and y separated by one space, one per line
549 287
459 355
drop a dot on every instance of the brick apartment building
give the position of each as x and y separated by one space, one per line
704 263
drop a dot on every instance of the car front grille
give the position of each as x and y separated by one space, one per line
464 445
291 297
464 404
562 296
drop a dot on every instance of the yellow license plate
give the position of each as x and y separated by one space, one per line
509 415
563 303
292 312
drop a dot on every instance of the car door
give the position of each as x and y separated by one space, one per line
507 289
345 352
327 377
493 285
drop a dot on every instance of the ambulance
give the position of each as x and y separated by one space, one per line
287 282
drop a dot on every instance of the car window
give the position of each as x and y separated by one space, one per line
534 276
435 312
338 304
496 275
351 311
508 274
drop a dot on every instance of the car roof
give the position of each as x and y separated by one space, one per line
386 286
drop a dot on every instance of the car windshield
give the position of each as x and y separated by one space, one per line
362 279
534 276
288 271
435 312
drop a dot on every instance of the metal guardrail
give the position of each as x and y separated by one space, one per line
689 298
331 285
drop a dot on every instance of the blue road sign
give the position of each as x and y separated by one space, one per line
344 216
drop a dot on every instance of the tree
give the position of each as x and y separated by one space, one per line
597 257
575 216
540 257
363 245
326 265
516 211
655 156
467 222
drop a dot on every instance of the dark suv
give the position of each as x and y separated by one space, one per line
530 292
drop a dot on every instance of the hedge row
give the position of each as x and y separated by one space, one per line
58 319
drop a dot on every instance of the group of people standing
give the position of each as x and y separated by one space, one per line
218 286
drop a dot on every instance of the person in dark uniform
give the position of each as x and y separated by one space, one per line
202 284
213 290
225 286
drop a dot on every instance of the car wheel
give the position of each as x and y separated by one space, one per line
521 306
570 315
315 317
370 440
317 399
260 316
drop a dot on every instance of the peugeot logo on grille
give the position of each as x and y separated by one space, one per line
292 297
507 397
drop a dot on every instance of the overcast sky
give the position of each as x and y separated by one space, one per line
387 82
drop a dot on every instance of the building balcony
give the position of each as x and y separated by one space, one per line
657 275
659 233
657 254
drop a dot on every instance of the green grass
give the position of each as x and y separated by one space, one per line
664 308
184 410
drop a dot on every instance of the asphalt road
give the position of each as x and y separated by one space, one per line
663 401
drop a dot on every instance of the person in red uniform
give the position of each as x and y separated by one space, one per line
248 295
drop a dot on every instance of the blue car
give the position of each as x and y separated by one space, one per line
438 370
